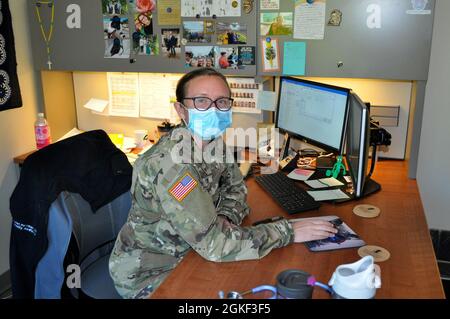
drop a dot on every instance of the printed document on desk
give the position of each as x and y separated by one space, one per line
324 183
300 174
332 194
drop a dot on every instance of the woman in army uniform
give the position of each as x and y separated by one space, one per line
180 205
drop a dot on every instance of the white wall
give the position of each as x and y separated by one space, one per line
433 173
16 125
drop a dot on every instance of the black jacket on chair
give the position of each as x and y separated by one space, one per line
88 164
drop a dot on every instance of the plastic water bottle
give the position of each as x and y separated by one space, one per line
42 132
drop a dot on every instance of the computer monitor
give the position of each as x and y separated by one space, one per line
358 142
313 112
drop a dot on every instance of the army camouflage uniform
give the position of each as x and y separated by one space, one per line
164 225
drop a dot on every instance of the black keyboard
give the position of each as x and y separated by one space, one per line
291 197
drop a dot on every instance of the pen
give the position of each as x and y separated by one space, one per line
268 220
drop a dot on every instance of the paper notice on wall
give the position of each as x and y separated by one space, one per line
309 20
123 94
244 92
270 4
157 95
294 62
267 100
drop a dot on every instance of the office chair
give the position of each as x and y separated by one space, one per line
92 239
77 188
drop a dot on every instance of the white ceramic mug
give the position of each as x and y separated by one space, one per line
139 137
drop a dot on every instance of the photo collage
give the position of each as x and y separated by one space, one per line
134 27
223 51
273 24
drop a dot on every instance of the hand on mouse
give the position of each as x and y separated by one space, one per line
313 229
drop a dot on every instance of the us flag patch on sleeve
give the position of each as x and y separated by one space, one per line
183 187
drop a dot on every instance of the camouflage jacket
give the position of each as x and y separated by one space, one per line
181 206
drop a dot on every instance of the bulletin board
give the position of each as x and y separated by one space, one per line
139 36
346 39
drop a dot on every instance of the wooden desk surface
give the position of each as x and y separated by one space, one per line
411 272
21 158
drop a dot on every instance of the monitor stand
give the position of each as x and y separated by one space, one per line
370 187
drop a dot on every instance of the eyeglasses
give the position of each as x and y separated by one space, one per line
203 103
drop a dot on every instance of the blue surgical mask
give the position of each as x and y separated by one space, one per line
209 124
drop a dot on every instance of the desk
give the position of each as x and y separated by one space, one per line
411 272
21 158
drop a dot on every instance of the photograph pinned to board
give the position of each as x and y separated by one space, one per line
270 4
145 42
171 43
246 56
244 92
116 36
146 45
231 33
195 32
219 8
209 26
270 53
199 56
226 57
144 6
169 12
143 23
276 23
115 7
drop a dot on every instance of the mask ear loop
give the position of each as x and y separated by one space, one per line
185 107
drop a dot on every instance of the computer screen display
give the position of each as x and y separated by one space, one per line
357 142
312 111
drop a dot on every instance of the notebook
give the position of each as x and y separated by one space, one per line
345 238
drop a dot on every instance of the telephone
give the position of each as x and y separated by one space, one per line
289 163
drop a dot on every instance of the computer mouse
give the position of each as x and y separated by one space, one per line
333 238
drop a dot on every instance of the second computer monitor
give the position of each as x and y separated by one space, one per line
357 146
313 112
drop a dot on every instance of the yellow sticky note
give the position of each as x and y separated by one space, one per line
117 139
